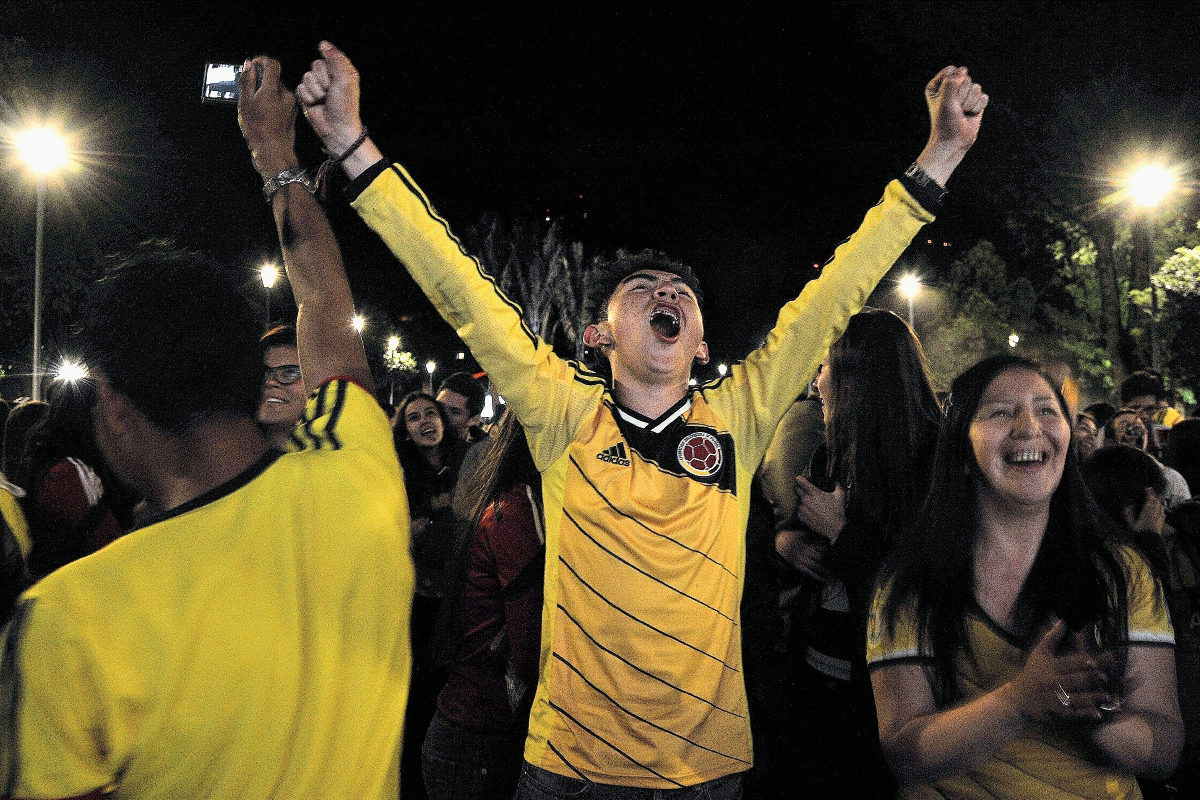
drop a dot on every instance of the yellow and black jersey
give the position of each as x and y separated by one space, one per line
250 643
641 677
1039 762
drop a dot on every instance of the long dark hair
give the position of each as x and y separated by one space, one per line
1076 576
64 432
884 417
406 449
507 463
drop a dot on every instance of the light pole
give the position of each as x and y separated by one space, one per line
269 274
1148 185
44 151
910 285
430 367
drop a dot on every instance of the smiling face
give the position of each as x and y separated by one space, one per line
654 329
1020 437
282 403
423 423
455 406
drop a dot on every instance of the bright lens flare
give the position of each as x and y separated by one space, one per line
1150 184
269 274
909 286
358 322
70 371
42 149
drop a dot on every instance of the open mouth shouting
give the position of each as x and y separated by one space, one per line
665 321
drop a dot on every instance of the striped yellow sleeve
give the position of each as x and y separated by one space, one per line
1149 622
886 646
550 396
10 508
757 392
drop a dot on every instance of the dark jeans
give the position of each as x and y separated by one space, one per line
540 784
461 764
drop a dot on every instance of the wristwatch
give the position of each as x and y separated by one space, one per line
924 188
289 175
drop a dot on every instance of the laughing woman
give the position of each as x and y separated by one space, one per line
430 456
1019 644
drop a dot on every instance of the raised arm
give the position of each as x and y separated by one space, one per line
956 107
328 345
329 96
550 396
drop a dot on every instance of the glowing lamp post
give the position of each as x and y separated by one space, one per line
358 322
1148 185
430 367
269 273
910 285
44 151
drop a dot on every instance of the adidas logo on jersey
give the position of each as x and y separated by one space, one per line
615 455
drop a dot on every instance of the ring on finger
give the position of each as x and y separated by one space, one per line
1061 694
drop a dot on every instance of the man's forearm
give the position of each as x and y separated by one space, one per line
318 279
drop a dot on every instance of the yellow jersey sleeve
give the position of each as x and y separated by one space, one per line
757 392
551 396
898 644
1149 622
10 508
339 413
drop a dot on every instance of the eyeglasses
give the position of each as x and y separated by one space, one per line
284 374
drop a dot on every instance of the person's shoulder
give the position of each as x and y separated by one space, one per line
340 412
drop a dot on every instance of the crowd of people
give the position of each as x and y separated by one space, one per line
231 572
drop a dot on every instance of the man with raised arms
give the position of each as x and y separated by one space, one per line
251 641
645 479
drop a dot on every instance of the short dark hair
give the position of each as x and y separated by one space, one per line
279 336
1142 383
606 275
203 359
1101 412
1119 477
462 383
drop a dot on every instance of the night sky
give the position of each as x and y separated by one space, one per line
748 143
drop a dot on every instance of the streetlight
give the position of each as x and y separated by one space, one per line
1148 185
269 274
722 369
70 371
430 367
358 322
44 151
910 285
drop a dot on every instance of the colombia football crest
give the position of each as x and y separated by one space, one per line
699 453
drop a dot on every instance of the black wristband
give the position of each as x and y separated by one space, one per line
928 192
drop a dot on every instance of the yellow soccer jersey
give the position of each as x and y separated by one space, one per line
1038 762
252 643
10 508
641 677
